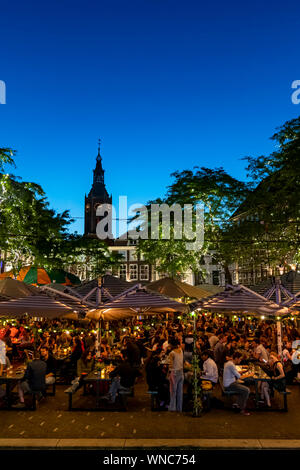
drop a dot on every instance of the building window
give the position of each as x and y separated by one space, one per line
132 255
133 272
144 272
216 278
123 271
123 253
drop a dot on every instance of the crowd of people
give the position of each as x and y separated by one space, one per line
165 351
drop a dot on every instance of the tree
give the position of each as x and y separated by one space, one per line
170 255
33 233
220 194
88 257
271 212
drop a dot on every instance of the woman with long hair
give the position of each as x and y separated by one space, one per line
176 376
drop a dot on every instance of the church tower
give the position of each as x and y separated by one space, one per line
98 195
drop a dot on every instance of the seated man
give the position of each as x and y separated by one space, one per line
210 369
51 366
230 377
123 377
34 379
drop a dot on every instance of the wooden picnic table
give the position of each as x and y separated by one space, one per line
10 378
101 380
259 375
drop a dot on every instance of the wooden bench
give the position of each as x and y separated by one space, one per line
284 394
154 400
70 391
53 386
124 394
225 392
36 396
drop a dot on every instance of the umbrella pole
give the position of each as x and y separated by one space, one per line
98 348
279 339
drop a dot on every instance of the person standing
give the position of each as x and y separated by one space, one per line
176 376
2 356
220 351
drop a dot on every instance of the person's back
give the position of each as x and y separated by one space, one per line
210 370
127 374
153 373
176 357
220 353
230 374
133 353
85 366
35 375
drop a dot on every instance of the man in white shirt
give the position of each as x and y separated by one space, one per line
230 377
210 369
260 352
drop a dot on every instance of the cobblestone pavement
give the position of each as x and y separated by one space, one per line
52 420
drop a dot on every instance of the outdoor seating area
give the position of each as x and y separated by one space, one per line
192 358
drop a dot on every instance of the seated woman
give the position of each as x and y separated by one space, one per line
85 365
287 362
277 375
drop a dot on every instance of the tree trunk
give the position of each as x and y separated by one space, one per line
228 277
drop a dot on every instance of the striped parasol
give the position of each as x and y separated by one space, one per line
15 289
7 274
111 286
135 301
240 299
36 305
41 276
177 289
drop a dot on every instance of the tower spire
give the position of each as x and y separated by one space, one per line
99 156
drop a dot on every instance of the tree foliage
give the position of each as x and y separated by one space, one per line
33 233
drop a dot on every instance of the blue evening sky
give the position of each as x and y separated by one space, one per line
166 84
